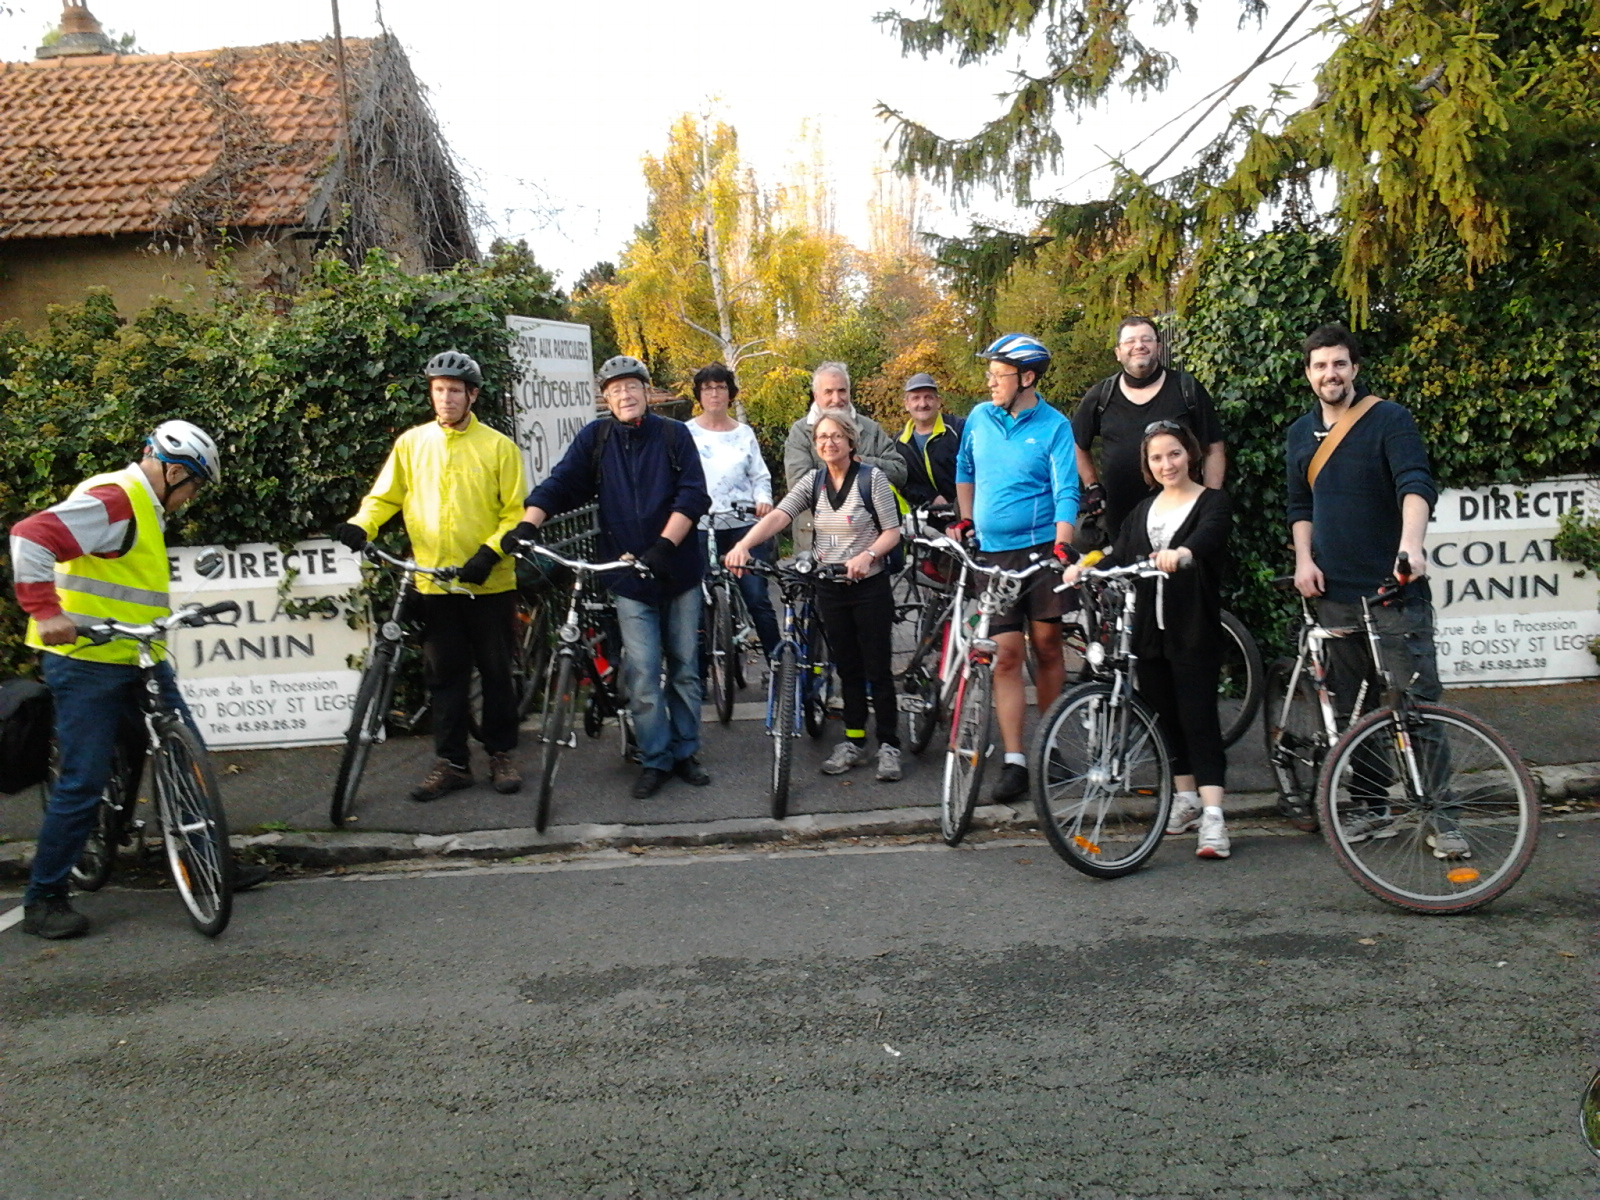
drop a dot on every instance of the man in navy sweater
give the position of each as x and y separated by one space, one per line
644 471
1371 501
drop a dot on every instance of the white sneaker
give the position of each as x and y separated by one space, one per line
1213 836
845 755
1450 843
1185 813
888 764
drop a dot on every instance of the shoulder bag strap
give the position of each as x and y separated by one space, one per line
1337 434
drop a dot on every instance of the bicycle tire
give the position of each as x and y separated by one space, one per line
785 695
922 681
99 855
817 680
1472 780
1296 743
971 740
1104 818
535 659
558 717
193 827
367 715
720 670
1241 682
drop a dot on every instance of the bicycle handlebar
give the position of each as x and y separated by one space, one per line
188 616
574 564
831 572
954 547
442 574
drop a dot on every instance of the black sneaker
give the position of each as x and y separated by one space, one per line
54 917
691 772
1013 784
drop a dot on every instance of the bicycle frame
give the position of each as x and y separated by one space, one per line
1113 659
799 611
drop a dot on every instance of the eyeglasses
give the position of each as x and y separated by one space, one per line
1146 340
832 437
620 386
1162 427
992 377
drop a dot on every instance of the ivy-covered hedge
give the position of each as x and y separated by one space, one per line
1501 377
304 396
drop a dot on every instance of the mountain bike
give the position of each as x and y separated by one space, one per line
1425 806
375 693
588 655
800 685
972 675
730 633
1101 769
188 803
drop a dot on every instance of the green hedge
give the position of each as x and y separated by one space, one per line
305 396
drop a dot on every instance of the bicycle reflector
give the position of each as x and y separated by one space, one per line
1463 875
1085 844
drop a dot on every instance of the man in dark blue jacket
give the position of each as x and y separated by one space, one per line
645 473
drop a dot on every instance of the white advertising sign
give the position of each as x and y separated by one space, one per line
1508 610
273 679
555 396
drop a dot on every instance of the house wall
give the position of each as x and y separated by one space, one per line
38 272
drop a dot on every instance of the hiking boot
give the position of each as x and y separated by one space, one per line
445 777
691 772
1450 843
1367 823
889 764
503 774
1213 836
54 917
1013 784
845 755
649 782
1185 813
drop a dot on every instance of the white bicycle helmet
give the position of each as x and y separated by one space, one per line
187 445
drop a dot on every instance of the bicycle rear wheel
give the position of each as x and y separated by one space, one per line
1296 743
785 694
366 727
721 669
1386 823
559 710
1102 781
921 682
1241 681
93 868
817 681
193 827
971 737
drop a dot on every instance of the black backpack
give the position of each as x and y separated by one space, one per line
1100 393
896 561
27 721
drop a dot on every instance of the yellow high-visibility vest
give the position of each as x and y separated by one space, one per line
132 588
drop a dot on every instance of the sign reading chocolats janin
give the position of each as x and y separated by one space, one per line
274 679
1508 610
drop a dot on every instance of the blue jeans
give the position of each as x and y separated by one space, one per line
94 702
666 722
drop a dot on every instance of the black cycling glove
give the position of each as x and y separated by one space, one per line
476 569
350 535
524 535
659 557
1092 502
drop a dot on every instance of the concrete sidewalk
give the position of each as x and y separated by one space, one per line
278 799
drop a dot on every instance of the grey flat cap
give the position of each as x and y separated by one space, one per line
921 380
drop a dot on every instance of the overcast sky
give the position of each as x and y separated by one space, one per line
551 107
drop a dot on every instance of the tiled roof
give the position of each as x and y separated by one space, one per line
113 144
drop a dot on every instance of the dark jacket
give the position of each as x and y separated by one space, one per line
1191 606
646 473
1355 510
938 454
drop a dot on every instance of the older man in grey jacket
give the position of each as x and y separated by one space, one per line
830 392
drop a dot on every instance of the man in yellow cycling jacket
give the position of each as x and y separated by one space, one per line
459 486
101 554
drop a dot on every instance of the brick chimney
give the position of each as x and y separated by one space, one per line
80 34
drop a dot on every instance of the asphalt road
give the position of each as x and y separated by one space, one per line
892 1021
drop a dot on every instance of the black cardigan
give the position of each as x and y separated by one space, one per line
1192 606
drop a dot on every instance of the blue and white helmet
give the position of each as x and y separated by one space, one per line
1020 351
188 446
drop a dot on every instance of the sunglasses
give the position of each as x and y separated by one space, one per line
1162 427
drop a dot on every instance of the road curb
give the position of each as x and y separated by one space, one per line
325 848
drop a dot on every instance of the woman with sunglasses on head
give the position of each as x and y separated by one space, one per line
1183 529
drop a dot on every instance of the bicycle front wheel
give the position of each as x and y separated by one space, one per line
720 671
971 738
1428 808
562 703
1241 682
366 727
194 828
785 695
1102 780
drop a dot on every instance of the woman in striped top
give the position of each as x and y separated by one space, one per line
857 524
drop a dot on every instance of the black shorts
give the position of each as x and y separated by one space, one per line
1039 600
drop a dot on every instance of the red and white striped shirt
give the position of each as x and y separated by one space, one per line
99 521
